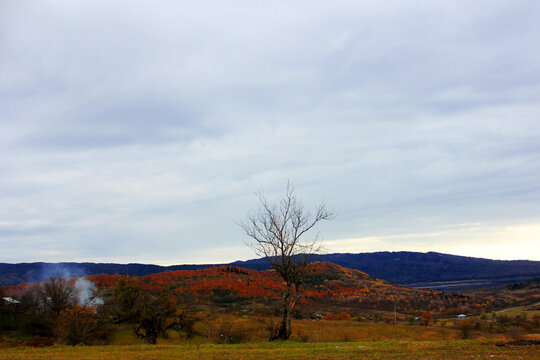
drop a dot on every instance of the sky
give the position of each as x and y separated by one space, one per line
138 131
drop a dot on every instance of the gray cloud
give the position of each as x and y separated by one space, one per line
131 132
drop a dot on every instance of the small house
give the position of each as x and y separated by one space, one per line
11 300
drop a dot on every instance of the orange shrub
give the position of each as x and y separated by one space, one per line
343 316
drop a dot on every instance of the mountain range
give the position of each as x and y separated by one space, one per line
429 270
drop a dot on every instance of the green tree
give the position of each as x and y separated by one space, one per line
126 298
156 314
153 313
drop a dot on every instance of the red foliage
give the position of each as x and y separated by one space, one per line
104 280
325 283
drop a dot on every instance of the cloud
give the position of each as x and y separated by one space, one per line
139 132
477 240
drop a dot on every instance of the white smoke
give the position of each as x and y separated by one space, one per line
86 291
60 270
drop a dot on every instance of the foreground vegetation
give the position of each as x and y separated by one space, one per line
285 350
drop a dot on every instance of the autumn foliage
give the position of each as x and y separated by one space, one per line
80 325
324 284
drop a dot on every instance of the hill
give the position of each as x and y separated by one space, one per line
326 288
430 270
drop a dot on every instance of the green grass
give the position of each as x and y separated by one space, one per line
285 350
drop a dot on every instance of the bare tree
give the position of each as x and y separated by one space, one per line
58 294
278 232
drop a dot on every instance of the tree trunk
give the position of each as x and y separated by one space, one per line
284 329
151 339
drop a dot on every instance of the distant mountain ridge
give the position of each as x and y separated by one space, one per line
13 274
433 270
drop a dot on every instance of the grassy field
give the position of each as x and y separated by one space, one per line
249 330
474 349
529 311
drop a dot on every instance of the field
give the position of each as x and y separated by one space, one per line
250 331
476 349
311 340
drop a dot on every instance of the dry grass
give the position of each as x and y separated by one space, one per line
323 331
289 350
249 329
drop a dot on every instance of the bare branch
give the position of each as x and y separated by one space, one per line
277 232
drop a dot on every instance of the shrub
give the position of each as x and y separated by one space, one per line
466 327
80 325
426 318
39 342
38 325
329 317
343 316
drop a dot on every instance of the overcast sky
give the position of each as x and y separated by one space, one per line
140 131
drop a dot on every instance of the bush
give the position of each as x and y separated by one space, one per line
343 316
38 325
80 325
466 327
329 317
7 322
39 342
426 318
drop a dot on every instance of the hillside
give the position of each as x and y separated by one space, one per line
326 287
529 290
431 270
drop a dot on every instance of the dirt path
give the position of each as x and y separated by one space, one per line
516 308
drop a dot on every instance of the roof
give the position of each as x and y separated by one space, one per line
11 300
